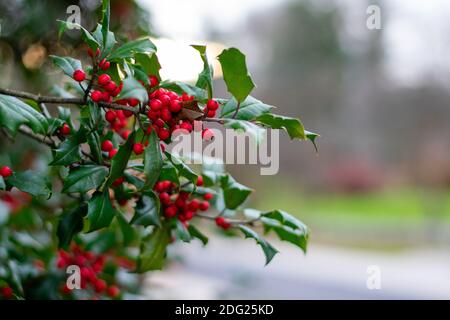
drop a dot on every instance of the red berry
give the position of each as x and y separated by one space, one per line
104 79
106 97
91 53
175 106
188 215
112 153
211 113
212 105
194 205
208 196
79 75
111 86
166 115
123 202
110 116
113 291
153 81
125 134
118 182
223 223
100 285
65 129
199 181
96 96
7 292
104 65
165 99
155 104
165 198
171 211
120 114
163 134
5 172
204 205
207 134
186 126
138 148
107 146
133 102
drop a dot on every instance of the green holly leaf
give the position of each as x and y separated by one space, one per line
205 78
128 232
182 168
69 152
14 113
67 64
93 140
133 89
234 193
311 136
286 227
268 249
249 109
2 184
147 211
100 211
70 223
153 161
153 250
120 161
34 183
182 231
195 233
129 49
168 172
235 73
150 63
85 178
292 126
85 35
256 132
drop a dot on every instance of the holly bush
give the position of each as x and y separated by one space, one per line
104 194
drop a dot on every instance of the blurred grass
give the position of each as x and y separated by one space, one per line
388 209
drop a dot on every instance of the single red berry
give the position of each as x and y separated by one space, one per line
65 129
194 205
211 113
153 81
118 182
133 102
207 134
186 126
199 181
160 123
166 115
113 291
212 105
220 221
204 205
171 211
104 64
165 99
106 97
163 134
111 86
208 196
155 105
112 153
107 146
7 292
96 96
79 75
123 202
110 116
100 285
138 148
164 197
188 215
175 106
104 79
5 172
120 114
125 134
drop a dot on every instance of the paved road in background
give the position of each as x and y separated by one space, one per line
233 269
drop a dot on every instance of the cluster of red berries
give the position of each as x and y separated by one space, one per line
91 266
182 204
6 292
5 172
223 223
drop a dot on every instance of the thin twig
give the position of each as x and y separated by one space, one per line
237 110
29 133
232 221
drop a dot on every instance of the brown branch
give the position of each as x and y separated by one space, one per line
58 100
237 110
42 139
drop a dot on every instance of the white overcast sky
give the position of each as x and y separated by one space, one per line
417 37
